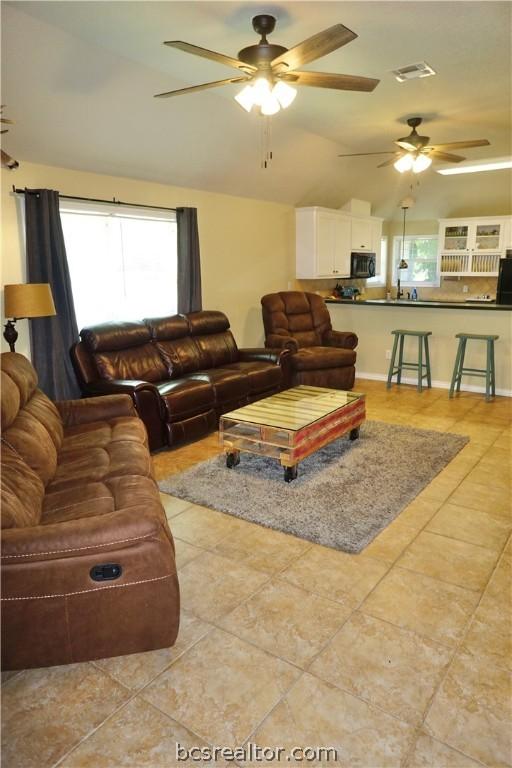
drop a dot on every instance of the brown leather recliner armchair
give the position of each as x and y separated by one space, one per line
301 323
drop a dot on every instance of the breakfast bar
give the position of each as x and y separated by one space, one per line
374 320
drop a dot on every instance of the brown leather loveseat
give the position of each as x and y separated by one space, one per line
88 567
301 323
182 372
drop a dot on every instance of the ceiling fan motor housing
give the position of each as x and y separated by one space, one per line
264 24
263 53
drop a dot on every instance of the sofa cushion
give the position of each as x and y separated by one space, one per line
316 358
94 463
99 434
107 337
77 500
10 401
141 363
181 356
44 410
261 376
207 322
23 374
186 397
229 385
217 349
31 440
98 498
215 342
22 491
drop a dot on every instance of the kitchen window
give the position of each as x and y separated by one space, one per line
420 253
122 261
380 277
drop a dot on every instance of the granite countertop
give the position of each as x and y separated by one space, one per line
486 305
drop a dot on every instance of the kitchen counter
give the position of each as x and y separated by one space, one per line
487 305
374 328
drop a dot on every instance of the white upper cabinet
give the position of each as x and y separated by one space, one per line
507 235
325 239
473 246
361 239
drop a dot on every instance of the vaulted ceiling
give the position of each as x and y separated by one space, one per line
79 78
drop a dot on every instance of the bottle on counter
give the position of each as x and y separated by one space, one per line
414 294
388 296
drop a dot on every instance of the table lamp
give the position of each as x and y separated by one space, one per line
25 300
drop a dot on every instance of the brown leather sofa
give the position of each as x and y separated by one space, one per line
182 372
88 567
301 323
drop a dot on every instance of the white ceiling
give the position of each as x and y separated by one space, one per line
78 78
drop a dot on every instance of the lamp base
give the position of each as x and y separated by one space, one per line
11 334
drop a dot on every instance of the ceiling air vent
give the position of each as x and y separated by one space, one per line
422 69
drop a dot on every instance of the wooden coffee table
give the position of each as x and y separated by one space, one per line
291 425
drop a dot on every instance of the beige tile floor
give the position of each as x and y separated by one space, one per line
399 656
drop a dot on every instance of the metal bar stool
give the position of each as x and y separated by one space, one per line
489 372
419 366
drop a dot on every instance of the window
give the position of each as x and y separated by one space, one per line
122 261
380 277
420 253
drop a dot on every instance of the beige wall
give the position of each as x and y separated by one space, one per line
247 246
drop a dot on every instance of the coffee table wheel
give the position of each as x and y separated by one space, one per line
232 460
290 473
354 433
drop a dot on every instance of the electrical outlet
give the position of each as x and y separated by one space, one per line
388 354
289 285
465 288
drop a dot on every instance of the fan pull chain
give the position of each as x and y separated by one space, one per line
266 142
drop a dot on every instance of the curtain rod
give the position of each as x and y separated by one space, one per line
99 200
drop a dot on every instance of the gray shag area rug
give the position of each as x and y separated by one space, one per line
344 495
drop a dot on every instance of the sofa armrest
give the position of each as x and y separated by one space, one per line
343 339
90 409
84 535
263 355
118 387
275 341
146 399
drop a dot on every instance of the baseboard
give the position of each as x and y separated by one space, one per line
437 384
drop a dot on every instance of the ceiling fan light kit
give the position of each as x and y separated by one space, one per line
269 98
415 163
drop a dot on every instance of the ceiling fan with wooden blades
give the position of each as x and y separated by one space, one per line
6 160
416 153
270 70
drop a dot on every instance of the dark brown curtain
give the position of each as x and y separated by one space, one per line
189 261
51 337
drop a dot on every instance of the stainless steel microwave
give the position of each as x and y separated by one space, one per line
362 264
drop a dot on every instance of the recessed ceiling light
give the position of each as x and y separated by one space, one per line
412 71
477 167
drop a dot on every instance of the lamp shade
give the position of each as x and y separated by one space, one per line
28 300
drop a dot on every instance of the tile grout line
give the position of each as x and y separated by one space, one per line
134 694
458 648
